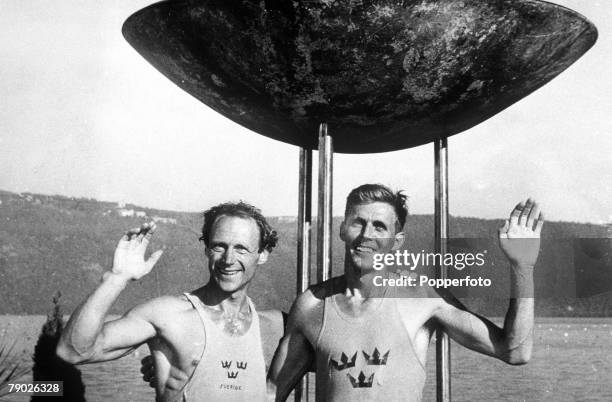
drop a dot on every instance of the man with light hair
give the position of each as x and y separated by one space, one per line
370 342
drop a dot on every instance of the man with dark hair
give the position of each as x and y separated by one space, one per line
267 236
208 344
370 342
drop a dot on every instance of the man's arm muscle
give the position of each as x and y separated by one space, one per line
511 344
295 354
87 338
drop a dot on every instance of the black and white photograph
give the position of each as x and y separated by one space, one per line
322 200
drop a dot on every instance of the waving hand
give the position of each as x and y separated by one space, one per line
519 238
129 259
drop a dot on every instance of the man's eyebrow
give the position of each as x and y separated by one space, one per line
240 245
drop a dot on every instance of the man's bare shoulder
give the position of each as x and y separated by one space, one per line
324 290
271 317
307 310
161 306
312 298
427 303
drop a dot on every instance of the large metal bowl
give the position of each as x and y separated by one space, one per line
384 75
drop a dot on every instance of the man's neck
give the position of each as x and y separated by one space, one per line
360 283
230 310
227 302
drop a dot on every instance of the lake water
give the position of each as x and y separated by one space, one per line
572 361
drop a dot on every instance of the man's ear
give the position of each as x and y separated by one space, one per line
263 257
342 230
398 241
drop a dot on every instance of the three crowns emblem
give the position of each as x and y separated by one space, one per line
227 364
362 380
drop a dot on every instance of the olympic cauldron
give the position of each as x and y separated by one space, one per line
384 75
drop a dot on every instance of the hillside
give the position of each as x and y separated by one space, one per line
50 243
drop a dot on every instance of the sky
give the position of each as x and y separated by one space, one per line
82 114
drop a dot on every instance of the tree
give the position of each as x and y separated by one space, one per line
49 367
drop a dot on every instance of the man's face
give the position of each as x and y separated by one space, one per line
233 252
370 229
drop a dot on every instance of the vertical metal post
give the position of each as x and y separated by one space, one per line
303 244
304 220
324 218
443 382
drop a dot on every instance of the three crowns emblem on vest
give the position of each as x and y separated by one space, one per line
362 380
227 364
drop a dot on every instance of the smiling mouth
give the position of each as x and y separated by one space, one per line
364 249
228 272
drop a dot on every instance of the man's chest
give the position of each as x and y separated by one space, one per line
183 339
366 359
185 336
201 357
398 325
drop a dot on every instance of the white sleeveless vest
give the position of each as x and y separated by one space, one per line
231 368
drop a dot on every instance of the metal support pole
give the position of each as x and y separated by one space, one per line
304 219
303 244
324 218
443 382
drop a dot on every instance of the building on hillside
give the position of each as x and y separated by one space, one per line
158 219
126 213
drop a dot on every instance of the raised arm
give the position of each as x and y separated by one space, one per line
294 355
520 241
87 338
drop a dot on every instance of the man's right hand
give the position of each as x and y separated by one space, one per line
129 262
